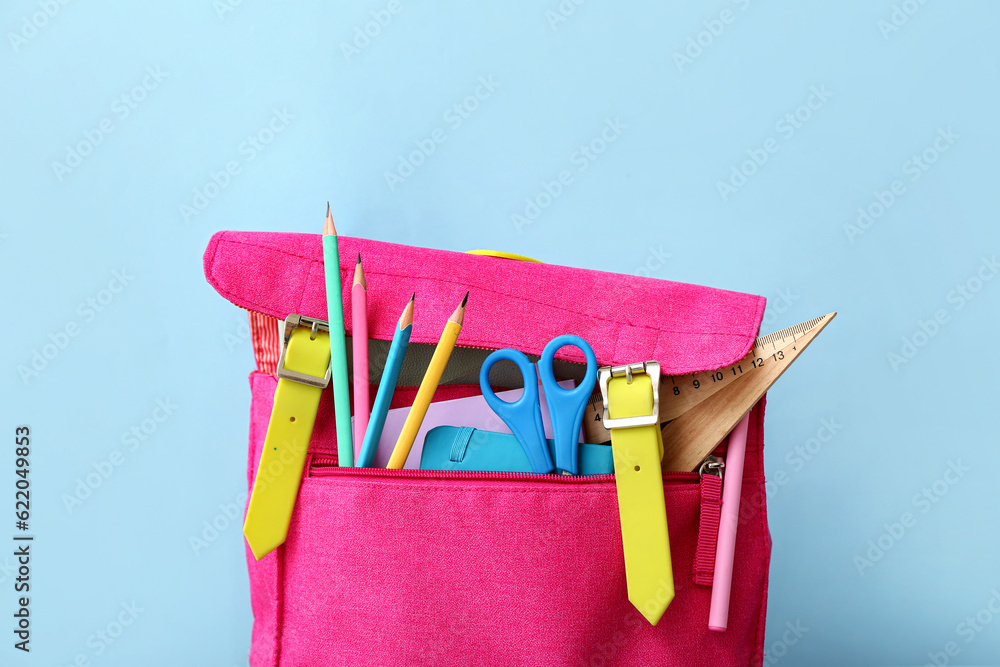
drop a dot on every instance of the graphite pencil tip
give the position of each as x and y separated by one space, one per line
359 274
406 319
458 316
413 296
328 228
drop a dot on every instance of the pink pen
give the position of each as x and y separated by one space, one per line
725 548
359 321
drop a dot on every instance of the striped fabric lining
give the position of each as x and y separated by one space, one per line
266 342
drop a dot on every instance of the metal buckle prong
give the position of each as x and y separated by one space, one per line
292 322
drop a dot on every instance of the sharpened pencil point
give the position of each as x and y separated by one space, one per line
459 315
413 296
359 274
406 319
328 228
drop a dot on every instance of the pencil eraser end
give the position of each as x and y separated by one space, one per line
716 628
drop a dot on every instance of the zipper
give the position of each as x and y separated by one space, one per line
709 517
712 465
324 466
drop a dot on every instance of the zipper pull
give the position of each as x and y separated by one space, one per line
710 473
712 465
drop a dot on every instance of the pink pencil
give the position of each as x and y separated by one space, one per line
725 548
359 312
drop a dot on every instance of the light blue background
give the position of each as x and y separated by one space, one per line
168 335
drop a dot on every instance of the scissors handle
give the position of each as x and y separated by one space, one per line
566 406
523 416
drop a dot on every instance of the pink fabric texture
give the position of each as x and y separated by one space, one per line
393 568
685 327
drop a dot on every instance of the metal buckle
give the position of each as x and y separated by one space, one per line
292 322
604 375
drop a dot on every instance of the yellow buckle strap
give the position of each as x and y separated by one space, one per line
303 372
631 414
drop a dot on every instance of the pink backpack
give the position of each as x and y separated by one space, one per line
409 567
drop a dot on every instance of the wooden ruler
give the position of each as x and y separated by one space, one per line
702 408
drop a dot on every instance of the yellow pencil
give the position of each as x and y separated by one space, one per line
428 386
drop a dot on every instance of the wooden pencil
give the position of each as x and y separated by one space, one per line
432 377
359 323
387 387
338 342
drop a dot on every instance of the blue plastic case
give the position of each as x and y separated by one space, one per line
467 448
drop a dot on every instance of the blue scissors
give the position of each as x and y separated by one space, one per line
566 406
